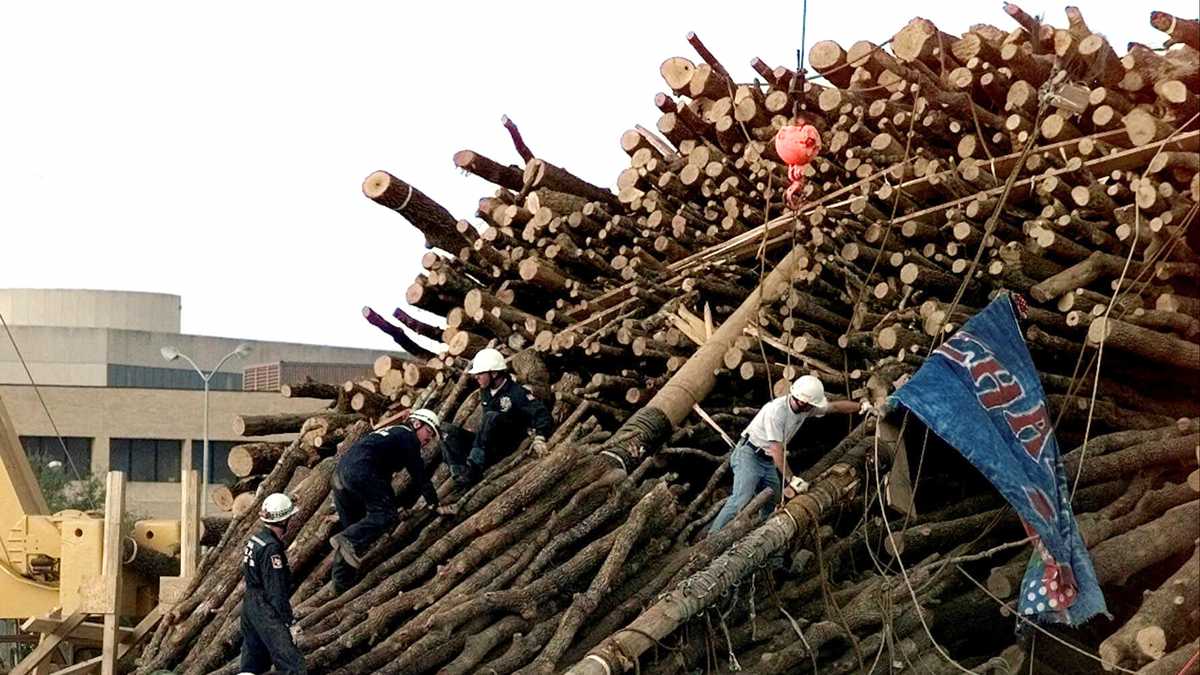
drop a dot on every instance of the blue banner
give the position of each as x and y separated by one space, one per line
980 392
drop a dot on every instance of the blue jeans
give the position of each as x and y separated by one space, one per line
752 472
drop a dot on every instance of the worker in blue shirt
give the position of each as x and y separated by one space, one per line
362 488
509 413
268 627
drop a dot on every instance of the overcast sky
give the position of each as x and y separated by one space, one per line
217 150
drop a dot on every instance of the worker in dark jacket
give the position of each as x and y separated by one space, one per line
268 633
362 488
509 412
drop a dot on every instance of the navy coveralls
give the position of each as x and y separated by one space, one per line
508 414
266 608
362 490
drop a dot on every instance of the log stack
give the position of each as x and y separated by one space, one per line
1030 158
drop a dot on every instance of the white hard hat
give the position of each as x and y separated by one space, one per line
809 389
487 361
277 508
427 417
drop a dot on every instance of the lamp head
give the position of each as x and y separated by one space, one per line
242 350
169 353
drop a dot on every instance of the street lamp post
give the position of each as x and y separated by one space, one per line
170 354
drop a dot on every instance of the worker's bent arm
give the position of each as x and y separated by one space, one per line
420 477
539 415
777 453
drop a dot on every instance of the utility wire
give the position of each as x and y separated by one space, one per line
38 391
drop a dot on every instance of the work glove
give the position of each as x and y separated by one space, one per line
296 632
539 446
866 408
796 486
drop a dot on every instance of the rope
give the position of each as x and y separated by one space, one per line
1137 229
804 37
799 633
900 563
61 442
1040 629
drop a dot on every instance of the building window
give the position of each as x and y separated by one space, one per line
218 463
48 449
146 459
151 377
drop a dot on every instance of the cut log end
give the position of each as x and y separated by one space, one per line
377 184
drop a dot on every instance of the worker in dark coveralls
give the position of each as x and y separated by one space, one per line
362 488
509 413
268 631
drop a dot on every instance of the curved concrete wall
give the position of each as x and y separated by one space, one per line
129 310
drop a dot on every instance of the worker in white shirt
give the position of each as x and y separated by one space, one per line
760 457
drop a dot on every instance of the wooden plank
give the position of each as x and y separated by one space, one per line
136 636
898 490
87 631
114 515
51 642
189 524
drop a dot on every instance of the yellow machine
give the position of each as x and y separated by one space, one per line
49 561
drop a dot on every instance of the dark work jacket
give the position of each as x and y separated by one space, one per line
266 572
513 398
387 451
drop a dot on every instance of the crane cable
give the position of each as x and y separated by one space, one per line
62 443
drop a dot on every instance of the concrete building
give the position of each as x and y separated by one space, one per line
95 356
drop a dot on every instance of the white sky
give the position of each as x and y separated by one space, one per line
216 150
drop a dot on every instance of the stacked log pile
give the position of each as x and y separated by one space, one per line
1034 160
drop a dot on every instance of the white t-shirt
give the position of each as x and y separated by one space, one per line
776 423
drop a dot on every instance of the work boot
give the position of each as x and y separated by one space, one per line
345 549
474 473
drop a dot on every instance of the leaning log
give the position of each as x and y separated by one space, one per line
620 651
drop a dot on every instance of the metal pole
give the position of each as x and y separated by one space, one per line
205 460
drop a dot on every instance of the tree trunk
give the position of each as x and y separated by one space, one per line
431 218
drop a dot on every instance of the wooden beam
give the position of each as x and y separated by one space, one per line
189 524
87 631
899 490
114 515
136 636
50 642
